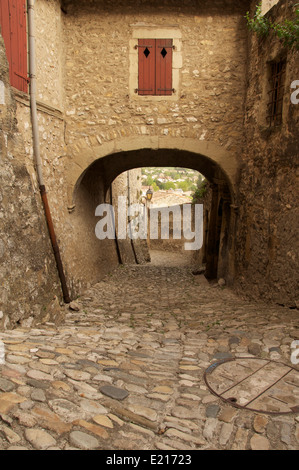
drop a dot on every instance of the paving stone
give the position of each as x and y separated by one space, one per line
225 433
103 421
39 375
191 438
11 436
58 384
98 430
6 385
163 389
38 395
66 409
260 423
286 433
241 439
56 381
258 442
254 349
25 419
49 420
114 392
103 378
181 412
39 439
77 374
227 414
10 358
92 407
212 411
147 413
9 400
158 396
222 355
83 441
85 389
38 383
210 428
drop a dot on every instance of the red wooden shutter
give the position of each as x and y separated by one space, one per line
5 27
155 66
13 26
163 66
146 66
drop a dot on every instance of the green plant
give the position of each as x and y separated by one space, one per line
259 24
200 192
287 32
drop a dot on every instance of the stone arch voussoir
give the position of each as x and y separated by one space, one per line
84 153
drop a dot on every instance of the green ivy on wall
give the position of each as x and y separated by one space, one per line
287 32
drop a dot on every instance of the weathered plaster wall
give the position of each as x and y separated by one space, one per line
28 277
267 237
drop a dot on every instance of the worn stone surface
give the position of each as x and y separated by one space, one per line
40 440
258 442
165 406
114 392
83 441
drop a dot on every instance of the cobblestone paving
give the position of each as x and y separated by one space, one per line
125 371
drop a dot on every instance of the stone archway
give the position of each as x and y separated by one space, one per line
208 157
92 170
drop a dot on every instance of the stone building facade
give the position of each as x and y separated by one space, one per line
94 126
28 277
268 221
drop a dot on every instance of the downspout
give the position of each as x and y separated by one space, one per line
36 149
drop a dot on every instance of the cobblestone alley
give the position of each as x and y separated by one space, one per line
126 369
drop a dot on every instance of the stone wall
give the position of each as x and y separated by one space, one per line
29 283
84 55
171 236
208 104
267 235
85 259
86 103
103 112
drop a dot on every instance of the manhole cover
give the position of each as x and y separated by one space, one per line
255 384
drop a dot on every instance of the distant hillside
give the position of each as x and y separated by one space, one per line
168 178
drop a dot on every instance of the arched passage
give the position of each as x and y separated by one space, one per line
89 187
117 156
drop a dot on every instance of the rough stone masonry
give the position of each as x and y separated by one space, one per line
93 126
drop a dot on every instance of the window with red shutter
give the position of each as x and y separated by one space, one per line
13 29
155 67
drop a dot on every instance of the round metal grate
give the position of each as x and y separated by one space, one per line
255 384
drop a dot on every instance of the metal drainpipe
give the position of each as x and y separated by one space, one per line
36 149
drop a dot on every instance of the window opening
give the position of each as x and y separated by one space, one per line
275 104
155 67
